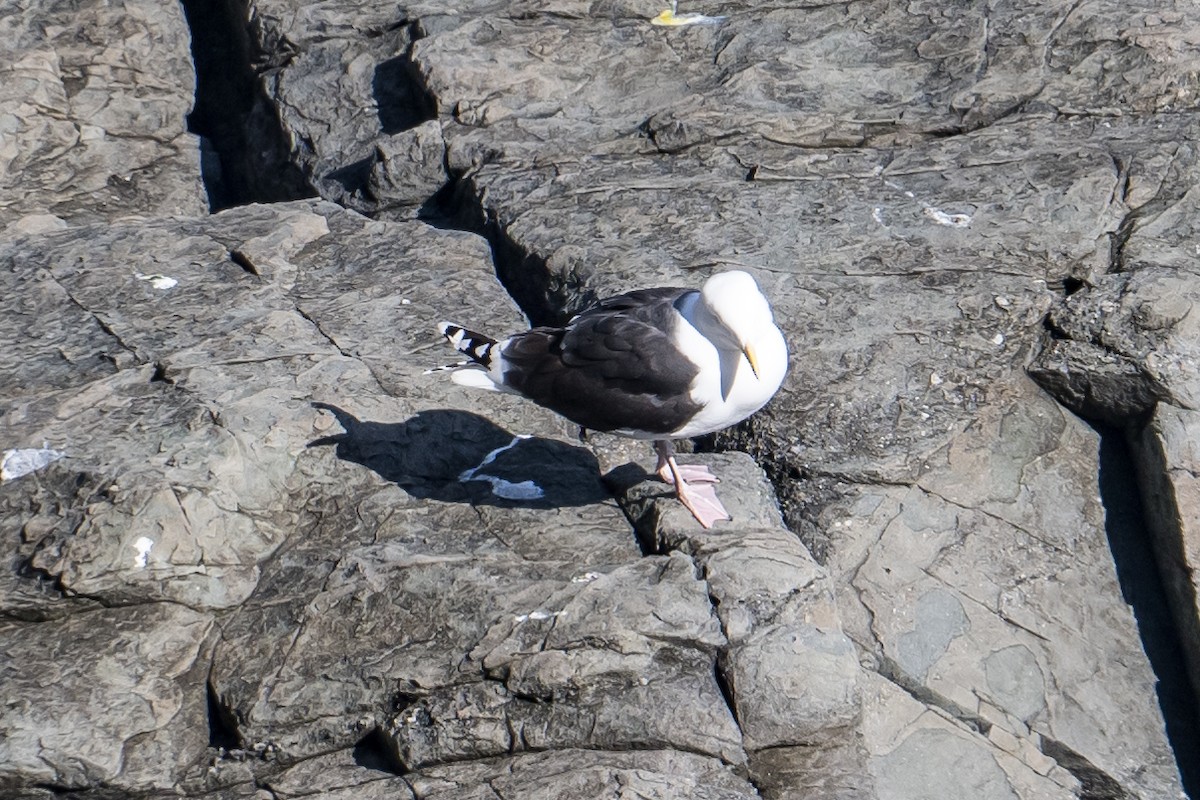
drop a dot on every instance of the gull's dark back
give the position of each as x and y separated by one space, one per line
614 366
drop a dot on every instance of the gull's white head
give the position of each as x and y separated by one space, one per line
734 300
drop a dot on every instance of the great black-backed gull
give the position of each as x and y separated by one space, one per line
656 364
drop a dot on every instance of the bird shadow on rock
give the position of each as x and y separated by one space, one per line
460 457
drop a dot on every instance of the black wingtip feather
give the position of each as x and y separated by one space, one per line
474 345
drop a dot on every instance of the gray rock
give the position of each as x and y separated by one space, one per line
894 75
910 319
987 590
1096 382
910 312
664 525
656 774
406 170
401 598
187 467
94 107
1015 679
41 342
791 673
914 188
832 769
196 451
905 774
142 667
570 671
343 105
577 773
915 752
1168 467
341 774
794 682
938 619
1134 332
183 487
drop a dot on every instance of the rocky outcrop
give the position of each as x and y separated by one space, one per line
1165 449
790 673
94 102
140 666
1126 344
243 520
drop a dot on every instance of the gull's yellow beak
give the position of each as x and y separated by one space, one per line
749 352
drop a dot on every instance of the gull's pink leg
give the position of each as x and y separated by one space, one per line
692 473
700 500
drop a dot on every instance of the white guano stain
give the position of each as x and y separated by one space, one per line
22 461
162 282
525 490
538 615
931 212
952 220
143 546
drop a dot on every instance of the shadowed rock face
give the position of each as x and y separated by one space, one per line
250 545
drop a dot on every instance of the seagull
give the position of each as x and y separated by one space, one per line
654 364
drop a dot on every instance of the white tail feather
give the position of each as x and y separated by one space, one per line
474 378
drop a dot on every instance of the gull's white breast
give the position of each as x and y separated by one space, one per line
747 393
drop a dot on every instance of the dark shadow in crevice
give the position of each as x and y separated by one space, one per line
439 209
1141 583
354 177
40 791
801 496
245 156
459 457
374 752
222 727
721 673
1094 783
402 100
524 274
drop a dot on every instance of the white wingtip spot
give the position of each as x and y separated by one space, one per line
456 338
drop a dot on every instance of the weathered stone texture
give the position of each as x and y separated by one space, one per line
283 561
111 701
997 552
791 674
92 113
1167 450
